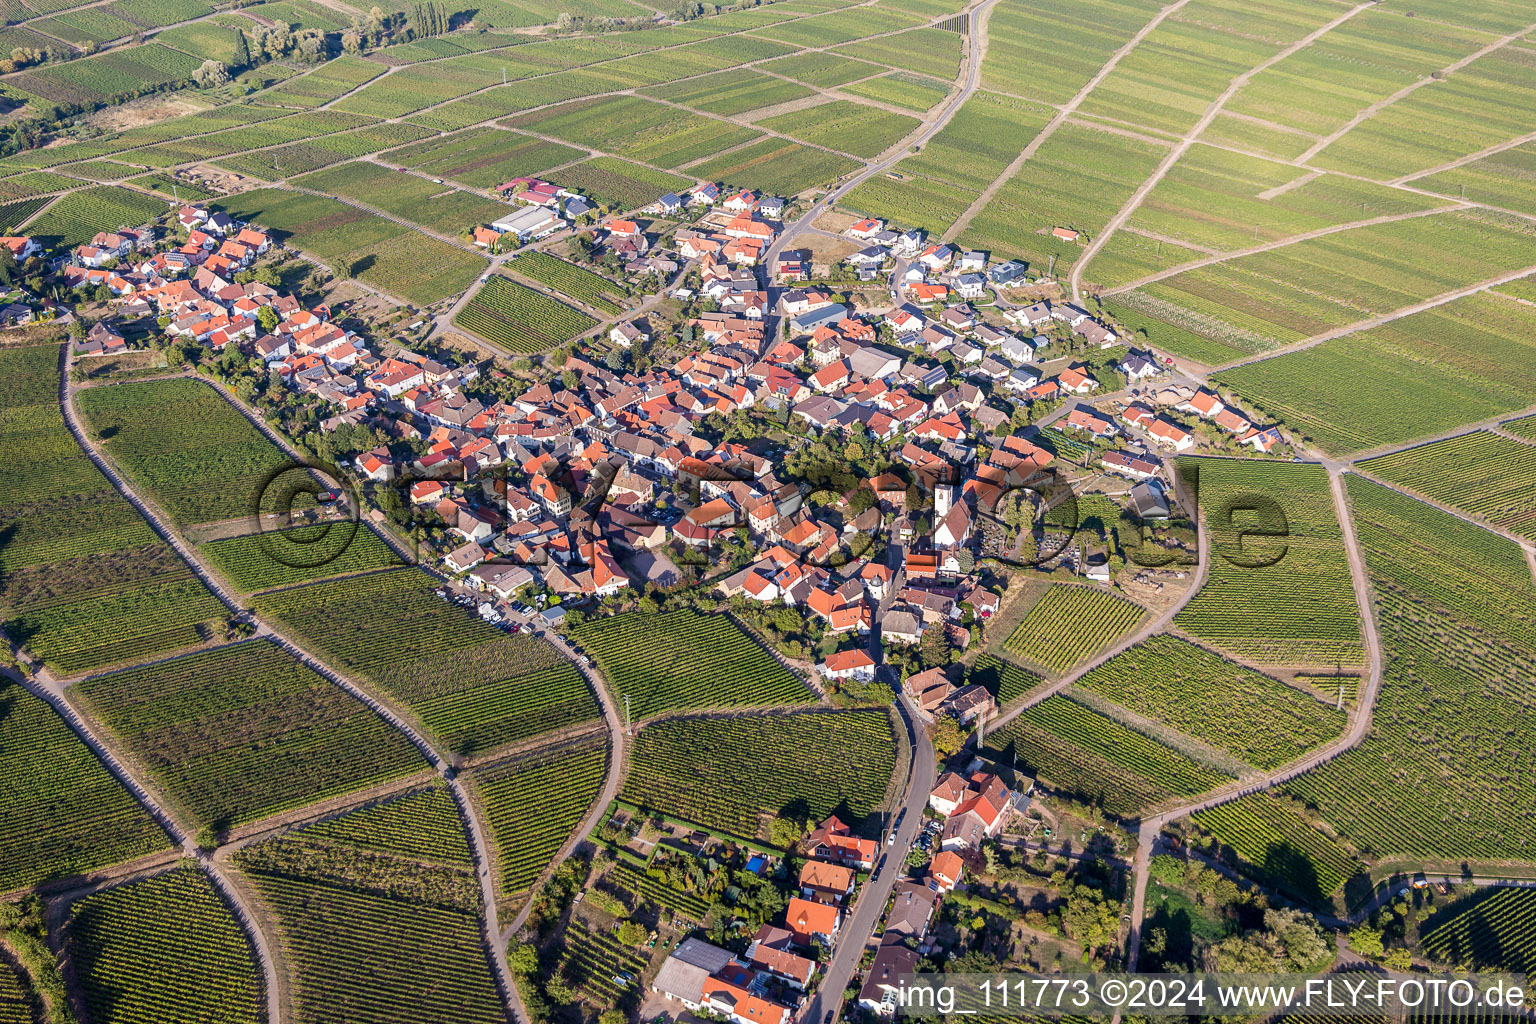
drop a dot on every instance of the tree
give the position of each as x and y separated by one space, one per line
7 266
935 651
632 933
1090 918
267 317
785 832
211 73
1366 941
242 50
312 46
1398 960
948 737
966 560
279 40
342 267
613 1017
352 40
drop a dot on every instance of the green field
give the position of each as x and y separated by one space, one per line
619 184
637 128
1438 775
804 766
1070 624
731 92
165 948
533 803
378 916
77 217
519 319
1004 680
776 166
184 447
845 126
312 154
439 208
323 84
61 813
1074 38
910 92
300 554
570 280
1083 755
473 686
979 142
85 582
1269 838
911 202
1485 474
484 157
1498 932
1416 377
243 732
1251 716
386 255
1279 590
684 661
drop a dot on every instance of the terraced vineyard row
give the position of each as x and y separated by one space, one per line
84 581
471 684
242 732
685 661
372 926
1279 590
1498 933
1482 473
61 812
16 1002
1256 718
520 319
1071 624
806 765
534 803
1272 841
1082 754
164 949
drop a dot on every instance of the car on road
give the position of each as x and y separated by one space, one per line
828 1018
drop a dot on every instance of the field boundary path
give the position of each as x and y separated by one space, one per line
479 848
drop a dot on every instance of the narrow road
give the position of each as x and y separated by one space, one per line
1177 152
990 192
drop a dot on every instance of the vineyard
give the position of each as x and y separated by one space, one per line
86 582
520 319
61 812
243 732
484 157
845 126
777 166
16 1001
1070 625
593 965
76 217
620 184
916 201
166 948
637 128
1083 755
189 450
732 92
684 661
441 208
1279 590
1270 839
1498 933
1004 680
1258 719
300 554
534 803
643 888
1482 473
313 154
806 766
375 925
1441 772
472 685
570 280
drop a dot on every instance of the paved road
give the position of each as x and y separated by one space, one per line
859 924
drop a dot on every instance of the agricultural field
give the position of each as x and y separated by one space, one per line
643 889
17 1001
1295 292
732 92
1070 624
1251 716
898 89
1077 179
484 157
323 84
823 70
77 217
840 27
175 188
104 77
293 128
1437 774
86 582
910 202
440 208
299 554
1482 473
1412 378
184 446
61 813
776 166
1499 179
592 965
386 255
99 170
845 126
979 142
570 280
684 661
1271 839
164 948
1279 589
519 319
1524 427
636 128
377 922
532 805
239 733
301 157
927 51
33 183
470 684
806 766
1498 932
1083 755
619 184
1074 38
14 214
1004 680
